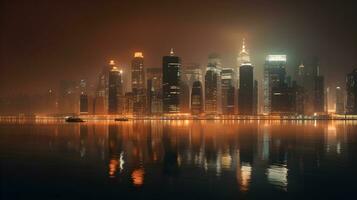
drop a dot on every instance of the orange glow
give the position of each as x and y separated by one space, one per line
113 166
138 55
111 62
138 177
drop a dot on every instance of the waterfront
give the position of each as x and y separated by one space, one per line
182 159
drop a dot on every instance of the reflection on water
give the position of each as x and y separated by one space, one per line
203 157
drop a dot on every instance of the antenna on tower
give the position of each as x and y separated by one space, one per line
243 45
172 52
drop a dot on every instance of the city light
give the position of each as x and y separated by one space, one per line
273 58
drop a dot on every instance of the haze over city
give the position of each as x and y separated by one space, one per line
44 42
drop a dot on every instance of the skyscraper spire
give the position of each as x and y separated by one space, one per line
243 45
172 52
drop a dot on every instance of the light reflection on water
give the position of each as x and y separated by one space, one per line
253 158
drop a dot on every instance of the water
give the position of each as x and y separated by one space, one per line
179 160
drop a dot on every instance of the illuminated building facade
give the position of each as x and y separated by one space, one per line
228 90
340 101
197 98
114 89
351 89
274 78
213 85
138 83
246 90
171 83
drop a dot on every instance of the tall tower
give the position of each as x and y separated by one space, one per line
351 89
171 83
213 85
340 101
243 57
246 90
274 78
227 84
114 88
138 83
196 98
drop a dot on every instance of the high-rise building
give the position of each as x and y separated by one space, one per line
154 76
351 89
213 85
68 97
190 73
340 101
171 83
243 58
184 97
319 94
246 90
197 98
228 90
138 83
313 85
101 93
114 89
255 97
83 104
274 78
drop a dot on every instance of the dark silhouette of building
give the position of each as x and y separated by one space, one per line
197 98
255 97
351 89
154 76
184 97
319 94
171 83
213 85
340 101
246 90
83 104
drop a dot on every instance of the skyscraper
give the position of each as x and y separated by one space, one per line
154 76
274 78
351 89
246 90
197 98
138 83
243 57
190 73
213 85
171 83
114 89
340 101
255 97
228 90
313 85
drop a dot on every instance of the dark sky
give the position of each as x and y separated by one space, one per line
43 42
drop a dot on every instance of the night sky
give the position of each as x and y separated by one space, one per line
43 42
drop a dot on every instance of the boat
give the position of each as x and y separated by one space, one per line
121 119
74 119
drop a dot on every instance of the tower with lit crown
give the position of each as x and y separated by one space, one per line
138 83
243 58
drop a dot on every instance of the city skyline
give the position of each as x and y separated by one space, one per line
79 52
